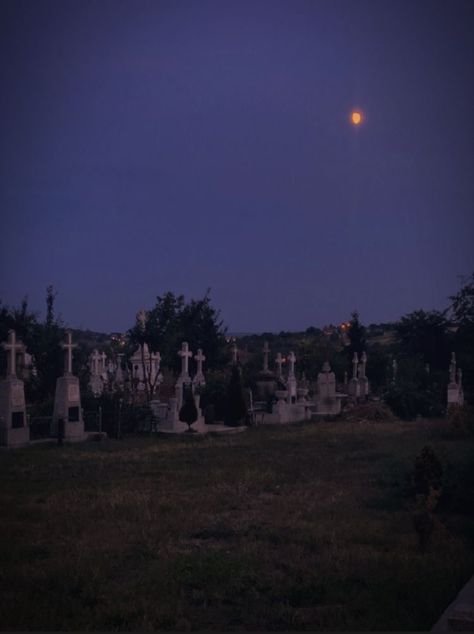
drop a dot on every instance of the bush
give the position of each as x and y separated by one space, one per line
461 420
410 399
188 412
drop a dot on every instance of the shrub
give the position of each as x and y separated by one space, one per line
188 412
236 409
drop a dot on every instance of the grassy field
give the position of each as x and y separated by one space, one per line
299 527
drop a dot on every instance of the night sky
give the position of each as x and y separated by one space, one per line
149 146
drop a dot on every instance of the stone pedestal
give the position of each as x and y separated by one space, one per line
67 405
14 430
455 394
353 389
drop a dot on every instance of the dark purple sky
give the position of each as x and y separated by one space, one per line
150 146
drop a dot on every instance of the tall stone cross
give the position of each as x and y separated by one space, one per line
292 360
355 361
185 355
199 358
68 347
12 346
95 362
103 359
279 361
266 352
234 353
363 361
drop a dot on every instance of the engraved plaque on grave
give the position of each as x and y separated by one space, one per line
73 392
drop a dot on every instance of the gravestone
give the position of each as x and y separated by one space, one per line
362 377
354 385
95 382
455 389
184 379
279 363
291 382
67 399
328 402
199 377
14 430
266 382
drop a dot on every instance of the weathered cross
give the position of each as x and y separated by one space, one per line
185 355
363 360
103 358
68 347
355 361
279 361
394 369
266 352
234 353
95 362
292 360
12 346
200 358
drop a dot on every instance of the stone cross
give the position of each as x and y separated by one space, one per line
279 361
363 360
200 358
234 353
185 355
95 362
12 346
68 347
266 352
292 360
394 370
355 362
452 368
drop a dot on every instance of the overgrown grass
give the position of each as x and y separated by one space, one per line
291 528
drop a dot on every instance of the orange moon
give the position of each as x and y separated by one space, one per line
356 117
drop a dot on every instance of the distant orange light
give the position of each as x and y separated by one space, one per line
356 117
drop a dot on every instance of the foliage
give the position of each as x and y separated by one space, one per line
214 396
357 336
424 335
236 409
172 321
188 412
461 420
462 308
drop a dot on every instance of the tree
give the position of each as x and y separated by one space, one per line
172 321
424 335
356 335
462 310
236 409
188 412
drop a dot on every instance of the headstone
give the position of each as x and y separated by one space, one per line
455 389
95 382
234 353
266 352
394 371
67 399
279 362
14 430
354 387
362 378
291 382
199 377
327 401
184 379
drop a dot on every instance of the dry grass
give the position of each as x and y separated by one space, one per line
293 528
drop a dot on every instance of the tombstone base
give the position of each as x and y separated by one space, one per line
67 405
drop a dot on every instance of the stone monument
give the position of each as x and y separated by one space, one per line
291 382
199 377
67 399
455 389
14 430
362 377
354 385
328 402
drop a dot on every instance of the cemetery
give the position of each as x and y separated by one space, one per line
292 481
